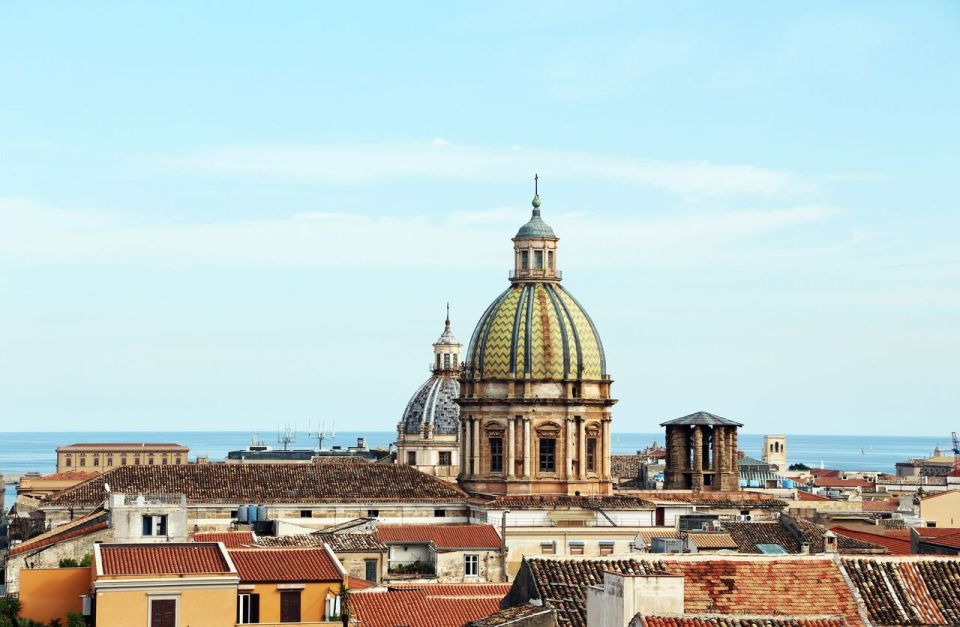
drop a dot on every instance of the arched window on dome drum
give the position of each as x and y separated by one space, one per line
446 361
550 259
524 260
548 454
591 454
438 360
538 259
496 454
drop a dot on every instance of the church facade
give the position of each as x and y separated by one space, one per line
535 403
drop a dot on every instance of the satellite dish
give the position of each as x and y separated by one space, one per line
106 486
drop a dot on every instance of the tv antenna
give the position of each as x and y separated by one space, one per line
322 434
287 436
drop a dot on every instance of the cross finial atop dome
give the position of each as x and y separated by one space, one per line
536 195
446 323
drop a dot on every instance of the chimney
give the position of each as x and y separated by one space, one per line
804 548
829 542
623 596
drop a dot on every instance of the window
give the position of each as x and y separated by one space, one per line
234 513
411 458
439 513
306 513
576 548
471 565
150 461
69 462
96 460
110 461
591 454
931 523
163 460
248 609
163 613
178 461
446 458
154 525
289 606
438 361
606 548
548 548
370 570
373 513
496 454
83 461
550 259
123 461
136 460
524 260
446 361
538 259
548 450
332 607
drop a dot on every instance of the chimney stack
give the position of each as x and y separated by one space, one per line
623 596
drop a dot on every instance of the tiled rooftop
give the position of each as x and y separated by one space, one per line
803 495
563 502
511 616
230 539
163 559
647 534
908 592
85 525
748 535
836 482
735 621
730 500
712 540
444 537
747 586
336 480
880 505
339 542
896 541
285 565
123 445
625 466
430 605
66 475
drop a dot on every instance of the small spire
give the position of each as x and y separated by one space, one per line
447 321
536 195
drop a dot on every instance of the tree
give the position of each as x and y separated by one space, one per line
799 466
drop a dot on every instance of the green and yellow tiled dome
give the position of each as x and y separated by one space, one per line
536 330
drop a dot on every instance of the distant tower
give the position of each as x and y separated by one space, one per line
775 451
702 453
428 435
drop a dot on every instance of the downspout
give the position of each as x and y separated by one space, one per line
503 545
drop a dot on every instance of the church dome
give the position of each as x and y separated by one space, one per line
434 403
538 329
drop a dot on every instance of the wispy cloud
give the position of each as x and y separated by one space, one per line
441 159
36 234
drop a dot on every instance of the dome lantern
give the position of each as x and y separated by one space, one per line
535 247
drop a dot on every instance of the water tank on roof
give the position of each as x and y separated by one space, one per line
261 512
788 483
242 513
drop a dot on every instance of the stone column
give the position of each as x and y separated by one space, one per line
527 449
605 439
582 450
568 449
476 446
697 476
719 439
511 448
465 449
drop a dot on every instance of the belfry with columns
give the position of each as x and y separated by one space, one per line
535 403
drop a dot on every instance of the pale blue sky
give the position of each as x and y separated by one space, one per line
235 215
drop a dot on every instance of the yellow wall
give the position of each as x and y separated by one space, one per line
313 600
48 593
216 607
942 509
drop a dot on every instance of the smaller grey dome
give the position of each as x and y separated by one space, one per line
435 402
536 227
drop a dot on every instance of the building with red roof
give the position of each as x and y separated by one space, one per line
444 553
429 605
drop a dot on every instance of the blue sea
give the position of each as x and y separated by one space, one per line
22 452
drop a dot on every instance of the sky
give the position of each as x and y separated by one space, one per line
238 215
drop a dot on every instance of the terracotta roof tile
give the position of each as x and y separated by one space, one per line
618 502
484 589
734 621
339 542
749 535
69 474
764 587
414 608
625 466
712 540
355 583
730 500
86 525
880 505
803 495
279 565
163 559
333 481
444 537
512 616
895 541
230 539
916 592
951 540
836 482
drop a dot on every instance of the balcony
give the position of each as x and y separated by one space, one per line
413 569
536 273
